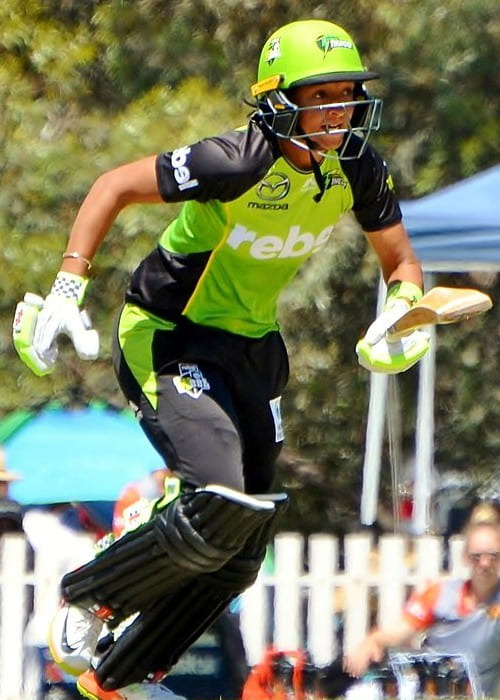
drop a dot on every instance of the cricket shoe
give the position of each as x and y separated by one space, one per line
89 687
73 636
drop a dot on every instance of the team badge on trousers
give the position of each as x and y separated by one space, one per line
190 381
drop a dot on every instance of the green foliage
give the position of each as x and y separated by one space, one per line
85 86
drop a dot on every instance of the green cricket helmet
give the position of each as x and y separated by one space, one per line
311 52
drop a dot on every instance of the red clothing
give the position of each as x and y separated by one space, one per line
421 609
134 504
455 626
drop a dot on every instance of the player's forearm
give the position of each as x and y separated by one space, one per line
374 646
391 636
93 221
133 183
397 258
407 271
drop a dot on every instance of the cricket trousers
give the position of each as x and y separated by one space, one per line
208 400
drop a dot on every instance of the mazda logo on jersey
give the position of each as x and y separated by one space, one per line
274 186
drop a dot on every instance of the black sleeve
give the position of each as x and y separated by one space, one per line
221 167
375 203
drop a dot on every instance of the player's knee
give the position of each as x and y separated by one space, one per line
156 638
196 533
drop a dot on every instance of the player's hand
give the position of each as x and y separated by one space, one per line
358 661
38 323
62 316
393 357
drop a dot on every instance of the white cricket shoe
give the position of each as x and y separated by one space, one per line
73 636
89 687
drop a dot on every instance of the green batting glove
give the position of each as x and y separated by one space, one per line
393 357
39 322
23 331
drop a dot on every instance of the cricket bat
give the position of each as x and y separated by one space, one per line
442 305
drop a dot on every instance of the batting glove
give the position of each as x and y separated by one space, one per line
393 357
60 314
384 322
23 330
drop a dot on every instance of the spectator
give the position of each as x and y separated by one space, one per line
457 616
6 477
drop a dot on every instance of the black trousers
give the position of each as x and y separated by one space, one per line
208 400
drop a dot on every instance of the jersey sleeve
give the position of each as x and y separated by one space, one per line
221 167
375 202
419 609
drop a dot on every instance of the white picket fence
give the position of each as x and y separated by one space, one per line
301 603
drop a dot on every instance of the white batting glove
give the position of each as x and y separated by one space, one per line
38 323
61 315
384 322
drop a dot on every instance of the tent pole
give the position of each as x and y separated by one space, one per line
373 447
374 435
424 433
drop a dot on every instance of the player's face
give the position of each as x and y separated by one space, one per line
329 113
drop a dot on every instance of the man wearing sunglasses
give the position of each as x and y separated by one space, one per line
456 616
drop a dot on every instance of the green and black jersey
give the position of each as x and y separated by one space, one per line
248 223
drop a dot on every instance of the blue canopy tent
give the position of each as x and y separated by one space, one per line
456 229
85 454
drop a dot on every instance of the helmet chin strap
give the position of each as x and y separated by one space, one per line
318 176
311 146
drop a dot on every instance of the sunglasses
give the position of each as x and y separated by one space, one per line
476 556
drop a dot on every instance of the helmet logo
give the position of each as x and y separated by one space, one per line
273 51
274 186
327 42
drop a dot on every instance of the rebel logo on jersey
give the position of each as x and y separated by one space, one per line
296 244
182 174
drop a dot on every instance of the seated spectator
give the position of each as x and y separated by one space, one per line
454 616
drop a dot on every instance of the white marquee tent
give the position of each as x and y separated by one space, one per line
456 229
